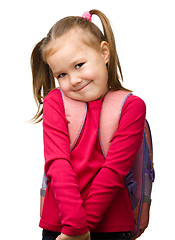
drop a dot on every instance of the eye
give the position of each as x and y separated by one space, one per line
79 65
61 75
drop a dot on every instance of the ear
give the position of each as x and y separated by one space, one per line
105 50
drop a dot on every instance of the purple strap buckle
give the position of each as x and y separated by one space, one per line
151 172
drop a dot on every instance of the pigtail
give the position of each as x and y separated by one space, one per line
114 67
43 80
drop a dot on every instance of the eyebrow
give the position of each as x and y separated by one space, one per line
55 74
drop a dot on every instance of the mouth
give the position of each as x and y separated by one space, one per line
83 87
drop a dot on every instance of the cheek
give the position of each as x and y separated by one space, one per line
103 74
89 73
92 72
63 85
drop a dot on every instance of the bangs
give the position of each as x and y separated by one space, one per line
85 37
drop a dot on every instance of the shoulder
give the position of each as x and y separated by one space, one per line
134 102
53 101
54 94
54 97
124 100
134 105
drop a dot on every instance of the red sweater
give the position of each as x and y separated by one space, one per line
85 190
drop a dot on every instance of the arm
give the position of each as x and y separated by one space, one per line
120 157
58 168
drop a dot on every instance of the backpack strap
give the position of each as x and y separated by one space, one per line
75 112
111 118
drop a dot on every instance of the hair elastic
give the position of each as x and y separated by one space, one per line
87 15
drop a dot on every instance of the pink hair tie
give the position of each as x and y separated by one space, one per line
87 15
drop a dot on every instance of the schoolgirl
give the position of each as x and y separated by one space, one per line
86 196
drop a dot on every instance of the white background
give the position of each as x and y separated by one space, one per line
145 40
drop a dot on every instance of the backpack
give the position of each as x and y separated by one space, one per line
141 176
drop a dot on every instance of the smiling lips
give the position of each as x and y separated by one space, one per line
83 86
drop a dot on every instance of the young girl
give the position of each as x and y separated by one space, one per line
86 195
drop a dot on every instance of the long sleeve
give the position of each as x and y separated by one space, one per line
58 169
120 157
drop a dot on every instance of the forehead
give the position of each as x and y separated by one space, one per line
75 38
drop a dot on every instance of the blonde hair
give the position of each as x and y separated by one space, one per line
43 80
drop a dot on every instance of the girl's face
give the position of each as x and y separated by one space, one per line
80 69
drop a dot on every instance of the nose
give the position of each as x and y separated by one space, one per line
75 80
